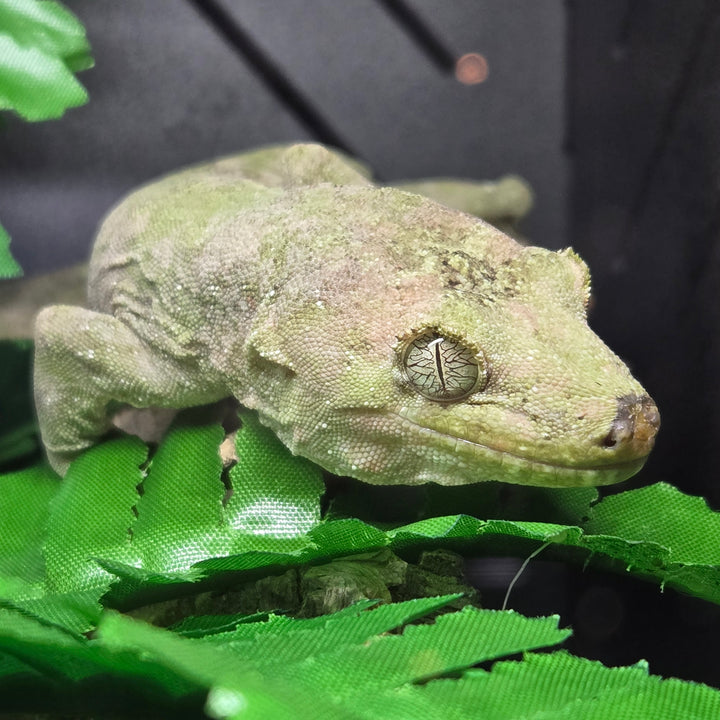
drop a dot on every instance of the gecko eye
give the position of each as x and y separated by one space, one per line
442 368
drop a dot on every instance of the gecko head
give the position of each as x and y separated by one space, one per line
471 360
508 377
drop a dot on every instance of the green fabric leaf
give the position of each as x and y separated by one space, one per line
69 661
25 498
92 516
274 494
41 45
18 427
555 686
186 530
664 533
180 512
661 514
22 565
454 642
162 529
307 668
346 666
281 639
8 265
196 626
234 684
74 613
625 531
184 521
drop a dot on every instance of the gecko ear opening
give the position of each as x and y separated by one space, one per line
264 352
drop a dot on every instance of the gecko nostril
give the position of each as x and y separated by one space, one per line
621 430
637 420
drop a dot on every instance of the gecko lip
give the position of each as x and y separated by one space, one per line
521 469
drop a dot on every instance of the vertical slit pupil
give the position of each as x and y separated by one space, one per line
438 362
441 368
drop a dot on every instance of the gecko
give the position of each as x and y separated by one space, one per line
378 332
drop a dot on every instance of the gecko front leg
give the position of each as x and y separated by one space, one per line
87 363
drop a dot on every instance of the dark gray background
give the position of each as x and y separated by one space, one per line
167 90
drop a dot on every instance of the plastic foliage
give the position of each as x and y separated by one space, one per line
42 45
8 265
124 530
18 428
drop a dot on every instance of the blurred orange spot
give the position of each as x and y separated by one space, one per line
472 69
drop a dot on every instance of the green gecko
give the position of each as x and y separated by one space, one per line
377 332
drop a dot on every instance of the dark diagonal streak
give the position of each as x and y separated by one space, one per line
423 36
671 116
270 74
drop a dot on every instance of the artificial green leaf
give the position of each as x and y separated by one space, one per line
25 498
324 542
8 265
180 511
555 686
75 613
661 514
195 626
81 671
693 567
282 639
274 493
344 666
18 428
183 520
47 649
41 45
454 642
96 526
338 537
92 515
184 533
679 534
292 662
233 682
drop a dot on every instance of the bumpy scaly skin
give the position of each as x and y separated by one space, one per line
286 279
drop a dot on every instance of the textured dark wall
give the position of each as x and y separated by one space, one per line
644 146
644 101
168 90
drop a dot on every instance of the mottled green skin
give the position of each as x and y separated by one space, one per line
286 279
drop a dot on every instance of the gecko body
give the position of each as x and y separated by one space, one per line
379 333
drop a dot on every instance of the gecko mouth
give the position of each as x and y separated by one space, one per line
476 462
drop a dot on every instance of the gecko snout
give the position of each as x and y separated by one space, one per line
634 427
